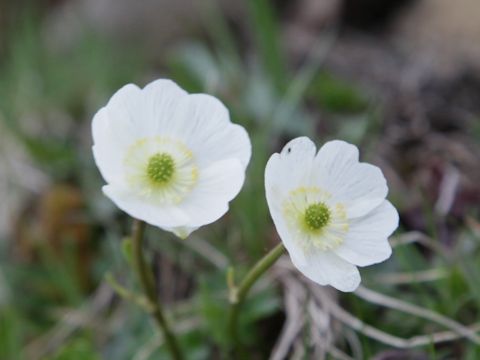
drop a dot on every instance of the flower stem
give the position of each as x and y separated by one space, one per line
145 277
238 294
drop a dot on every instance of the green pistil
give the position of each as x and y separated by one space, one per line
317 216
160 168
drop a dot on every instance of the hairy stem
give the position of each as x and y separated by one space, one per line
145 277
238 294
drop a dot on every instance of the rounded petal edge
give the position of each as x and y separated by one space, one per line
326 268
367 241
219 184
299 148
335 150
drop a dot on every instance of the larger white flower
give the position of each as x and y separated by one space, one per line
329 210
169 158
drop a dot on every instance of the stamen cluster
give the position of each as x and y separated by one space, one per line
160 168
317 216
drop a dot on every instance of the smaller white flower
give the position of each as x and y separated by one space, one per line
169 158
329 210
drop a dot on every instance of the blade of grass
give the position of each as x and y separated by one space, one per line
221 34
267 34
303 78
399 305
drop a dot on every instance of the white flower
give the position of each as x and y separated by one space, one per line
169 158
329 210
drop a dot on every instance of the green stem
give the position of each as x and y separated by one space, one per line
238 294
145 277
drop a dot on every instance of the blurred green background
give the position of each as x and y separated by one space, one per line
400 79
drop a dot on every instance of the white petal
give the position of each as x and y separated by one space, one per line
366 190
217 185
285 172
359 186
114 129
135 206
126 113
221 151
292 167
203 122
133 113
108 149
298 149
336 156
127 98
326 268
161 98
366 242
275 193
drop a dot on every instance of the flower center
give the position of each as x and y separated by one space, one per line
160 168
314 220
317 216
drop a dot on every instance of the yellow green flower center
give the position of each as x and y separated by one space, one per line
160 168
317 216
314 220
